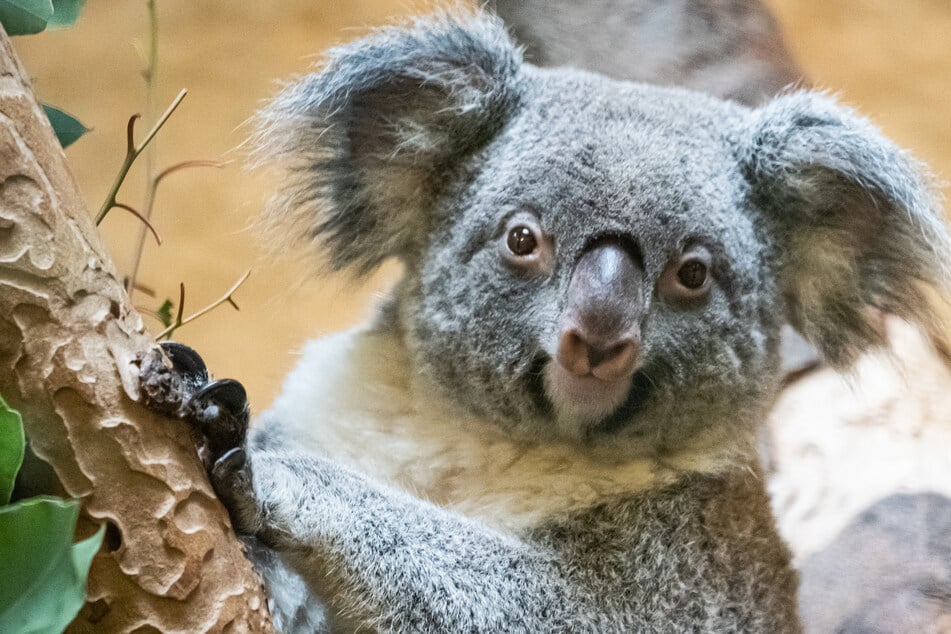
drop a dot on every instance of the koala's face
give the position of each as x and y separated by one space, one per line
593 260
594 271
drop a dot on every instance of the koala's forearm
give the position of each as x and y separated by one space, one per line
383 559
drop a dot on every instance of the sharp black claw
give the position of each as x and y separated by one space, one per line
186 361
226 393
232 460
232 480
220 410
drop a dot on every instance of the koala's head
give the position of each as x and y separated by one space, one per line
591 259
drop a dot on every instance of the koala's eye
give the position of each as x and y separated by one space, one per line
521 240
524 247
687 277
692 274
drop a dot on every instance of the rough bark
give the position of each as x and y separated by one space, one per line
68 341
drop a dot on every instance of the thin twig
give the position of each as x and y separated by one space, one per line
144 220
151 69
130 133
162 119
130 157
181 303
227 297
171 169
150 75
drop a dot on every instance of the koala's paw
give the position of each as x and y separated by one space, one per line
217 410
231 477
178 384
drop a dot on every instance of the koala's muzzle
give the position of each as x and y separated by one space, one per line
599 333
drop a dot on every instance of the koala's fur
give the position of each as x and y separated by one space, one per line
420 475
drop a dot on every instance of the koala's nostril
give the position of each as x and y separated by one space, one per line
573 353
616 362
607 363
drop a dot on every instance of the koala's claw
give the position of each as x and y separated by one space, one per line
217 410
225 392
220 412
231 477
186 361
232 460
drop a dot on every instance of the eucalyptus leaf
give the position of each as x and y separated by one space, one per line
45 583
65 13
12 443
67 127
25 17
164 313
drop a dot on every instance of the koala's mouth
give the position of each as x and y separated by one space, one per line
591 404
642 386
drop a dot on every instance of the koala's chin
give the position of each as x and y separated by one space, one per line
582 401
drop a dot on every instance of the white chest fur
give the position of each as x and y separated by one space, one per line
351 398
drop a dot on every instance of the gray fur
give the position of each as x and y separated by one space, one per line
731 49
700 555
419 143
824 175
364 141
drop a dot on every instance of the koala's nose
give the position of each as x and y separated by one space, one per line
609 362
600 327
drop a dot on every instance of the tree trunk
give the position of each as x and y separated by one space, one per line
68 341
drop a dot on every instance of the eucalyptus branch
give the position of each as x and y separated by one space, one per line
133 151
149 74
144 220
151 68
179 321
181 311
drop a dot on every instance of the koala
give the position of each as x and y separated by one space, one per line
550 424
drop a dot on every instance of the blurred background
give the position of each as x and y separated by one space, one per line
890 60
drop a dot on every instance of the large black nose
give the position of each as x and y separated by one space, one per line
600 327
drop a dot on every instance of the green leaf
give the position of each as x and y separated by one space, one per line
83 552
164 313
47 586
12 443
25 17
65 13
67 127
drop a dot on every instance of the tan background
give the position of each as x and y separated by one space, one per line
891 60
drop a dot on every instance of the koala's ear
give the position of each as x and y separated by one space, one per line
365 141
853 219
